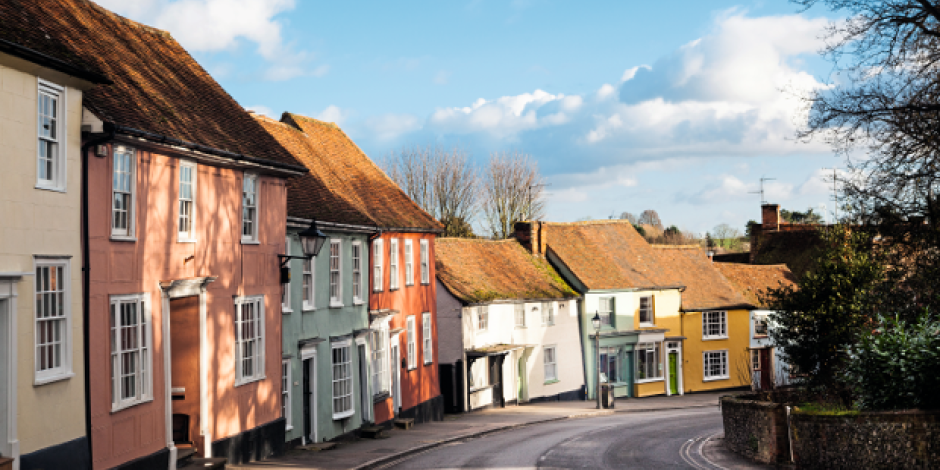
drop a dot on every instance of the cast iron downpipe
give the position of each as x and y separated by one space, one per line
86 276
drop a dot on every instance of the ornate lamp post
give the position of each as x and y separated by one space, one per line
311 241
596 321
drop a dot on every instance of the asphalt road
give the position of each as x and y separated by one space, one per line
657 440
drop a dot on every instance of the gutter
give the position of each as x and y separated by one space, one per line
299 222
44 60
173 142
86 278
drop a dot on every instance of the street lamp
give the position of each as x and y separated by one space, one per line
311 241
596 321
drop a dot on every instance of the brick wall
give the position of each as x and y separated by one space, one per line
756 429
909 439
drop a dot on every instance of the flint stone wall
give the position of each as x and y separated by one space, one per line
756 429
908 439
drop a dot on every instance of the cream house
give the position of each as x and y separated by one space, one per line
42 374
507 327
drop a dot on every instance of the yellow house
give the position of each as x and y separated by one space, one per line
712 324
42 373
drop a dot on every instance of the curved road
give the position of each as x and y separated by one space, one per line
662 439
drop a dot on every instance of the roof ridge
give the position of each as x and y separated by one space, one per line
676 247
588 222
128 21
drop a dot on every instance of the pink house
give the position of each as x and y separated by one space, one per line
184 202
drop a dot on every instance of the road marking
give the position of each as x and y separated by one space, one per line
690 454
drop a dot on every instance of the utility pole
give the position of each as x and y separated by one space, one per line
835 194
761 192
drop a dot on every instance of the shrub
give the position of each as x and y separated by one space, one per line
896 365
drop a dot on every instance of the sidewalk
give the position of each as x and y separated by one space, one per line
369 453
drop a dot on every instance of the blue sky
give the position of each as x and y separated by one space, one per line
675 106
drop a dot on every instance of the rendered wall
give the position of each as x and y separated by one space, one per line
738 354
40 222
421 384
128 267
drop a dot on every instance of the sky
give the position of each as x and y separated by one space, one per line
676 106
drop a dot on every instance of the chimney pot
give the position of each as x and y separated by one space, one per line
770 217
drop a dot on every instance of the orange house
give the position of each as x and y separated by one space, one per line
184 201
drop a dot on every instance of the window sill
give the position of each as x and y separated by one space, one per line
186 240
119 408
646 381
250 242
760 336
58 189
358 302
309 308
425 283
553 381
288 428
713 338
343 415
411 368
286 311
53 378
647 325
712 379
380 397
336 304
249 381
392 289
427 363
409 285
123 238
480 388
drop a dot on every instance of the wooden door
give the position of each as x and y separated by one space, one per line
766 369
184 360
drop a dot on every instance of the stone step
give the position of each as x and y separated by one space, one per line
372 432
319 447
215 463
404 423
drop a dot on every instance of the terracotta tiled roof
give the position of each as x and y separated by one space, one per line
344 185
605 254
705 287
157 86
752 279
484 270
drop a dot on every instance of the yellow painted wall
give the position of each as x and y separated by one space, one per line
666 306
736 344
40 222
650 388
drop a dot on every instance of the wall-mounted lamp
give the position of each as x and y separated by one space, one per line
311 241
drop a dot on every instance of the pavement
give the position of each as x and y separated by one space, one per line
375 453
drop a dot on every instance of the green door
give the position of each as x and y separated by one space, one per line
673 373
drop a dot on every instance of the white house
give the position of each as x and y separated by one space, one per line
507 327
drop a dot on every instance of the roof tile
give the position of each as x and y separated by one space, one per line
752 280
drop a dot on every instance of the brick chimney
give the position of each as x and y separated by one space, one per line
531 235
770 216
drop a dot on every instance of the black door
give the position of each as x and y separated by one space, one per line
496 375
307 394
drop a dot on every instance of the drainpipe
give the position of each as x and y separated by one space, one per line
86 276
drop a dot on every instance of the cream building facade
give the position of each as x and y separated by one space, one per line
42 385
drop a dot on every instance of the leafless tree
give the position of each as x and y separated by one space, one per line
886 105
443 182
650 217
632 218
512 192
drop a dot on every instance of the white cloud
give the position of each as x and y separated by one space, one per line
442 77
333 114
218 25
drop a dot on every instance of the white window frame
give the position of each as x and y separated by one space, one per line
393 273
483 317
720 355
548 313
755 360
128 232
412 333
380 345
357 272
648 310
251 238
285 287
427 343
59 179
286 386
519 314
257 359
657 352
425 263
409 263
190 236
144 375
308 284
377 267
550 367
721 322
605 310
761 320
336 273
345 383
60 319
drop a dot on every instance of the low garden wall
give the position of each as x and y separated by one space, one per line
909 439
756 429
